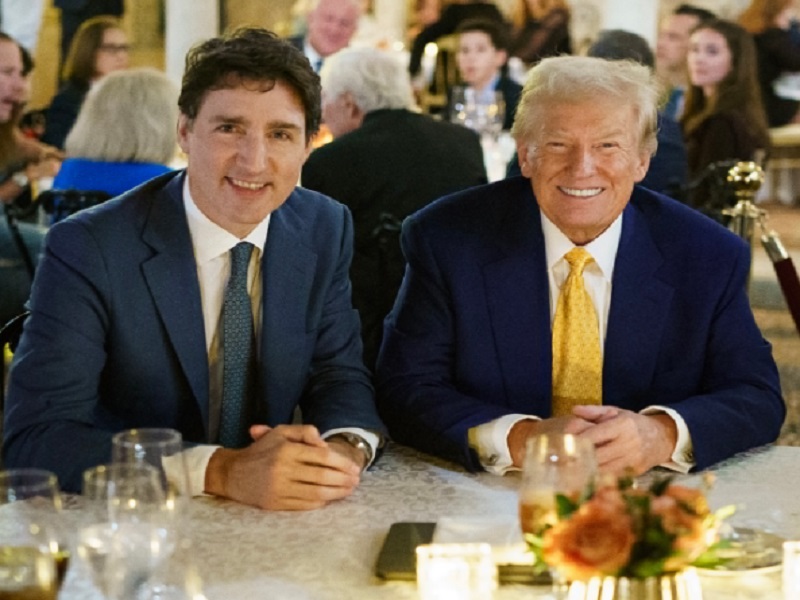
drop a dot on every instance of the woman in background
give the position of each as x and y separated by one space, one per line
770 22
723 117
23 161
99 47
125 134
541 29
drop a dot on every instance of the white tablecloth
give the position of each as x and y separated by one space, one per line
329 554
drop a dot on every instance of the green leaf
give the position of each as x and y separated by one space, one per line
565 507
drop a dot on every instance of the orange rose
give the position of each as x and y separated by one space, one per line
593 541
682 512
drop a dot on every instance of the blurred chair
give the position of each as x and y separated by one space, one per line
62 203
783 168
9 338
434 97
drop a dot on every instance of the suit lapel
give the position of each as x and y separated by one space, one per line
519 304
171 275
287 274
639 306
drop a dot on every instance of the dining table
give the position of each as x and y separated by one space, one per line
330 553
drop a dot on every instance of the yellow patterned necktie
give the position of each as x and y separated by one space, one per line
577 362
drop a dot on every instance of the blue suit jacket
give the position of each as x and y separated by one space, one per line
469 338
116 339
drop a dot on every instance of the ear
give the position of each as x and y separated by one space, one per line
640 170
525 163
184 128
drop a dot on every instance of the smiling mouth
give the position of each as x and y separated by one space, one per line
248 185
580 192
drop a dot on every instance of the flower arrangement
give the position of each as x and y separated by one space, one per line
616 529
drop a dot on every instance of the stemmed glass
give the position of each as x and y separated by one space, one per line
125 500
554 464
33 555
162 449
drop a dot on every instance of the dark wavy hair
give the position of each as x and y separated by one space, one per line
738 92
249 55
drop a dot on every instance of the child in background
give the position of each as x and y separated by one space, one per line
481 60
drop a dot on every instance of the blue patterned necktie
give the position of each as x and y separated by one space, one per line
239 353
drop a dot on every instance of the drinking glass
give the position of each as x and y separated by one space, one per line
462 106
33 555
122 499
491 113
554 464
163 450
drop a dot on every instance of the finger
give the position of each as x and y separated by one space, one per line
259 431
329 458
315 475
305 494
594 413
303 434
577 426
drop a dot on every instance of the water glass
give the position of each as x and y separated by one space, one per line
162 449
33 553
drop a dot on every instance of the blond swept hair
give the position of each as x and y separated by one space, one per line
584 79
129 116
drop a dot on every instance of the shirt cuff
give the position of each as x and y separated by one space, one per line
682 459
490 441
372 438
195 460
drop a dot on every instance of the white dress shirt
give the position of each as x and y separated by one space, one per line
492 438
212 244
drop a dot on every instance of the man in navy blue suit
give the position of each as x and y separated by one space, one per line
127 310
465 369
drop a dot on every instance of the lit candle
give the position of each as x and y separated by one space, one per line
791 570
456 572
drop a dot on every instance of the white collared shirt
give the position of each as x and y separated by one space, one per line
492 437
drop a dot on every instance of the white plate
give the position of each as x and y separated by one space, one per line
752 551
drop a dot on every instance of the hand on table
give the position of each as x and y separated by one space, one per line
522 430
627 440
622 439
289 467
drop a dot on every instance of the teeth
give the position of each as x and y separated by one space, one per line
247 184
581 192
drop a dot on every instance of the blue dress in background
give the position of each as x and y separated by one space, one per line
113 178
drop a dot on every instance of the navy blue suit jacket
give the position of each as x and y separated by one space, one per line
469 337
116 339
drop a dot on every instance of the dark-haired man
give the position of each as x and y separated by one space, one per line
214 301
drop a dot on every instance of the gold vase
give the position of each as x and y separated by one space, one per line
683 585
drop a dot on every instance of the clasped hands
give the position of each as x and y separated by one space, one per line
289 467
623 439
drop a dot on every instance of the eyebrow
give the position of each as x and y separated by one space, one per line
242 121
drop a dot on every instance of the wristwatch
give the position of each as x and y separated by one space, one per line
21 179
356 441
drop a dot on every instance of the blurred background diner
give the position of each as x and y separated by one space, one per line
124 135
99 47
744 106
